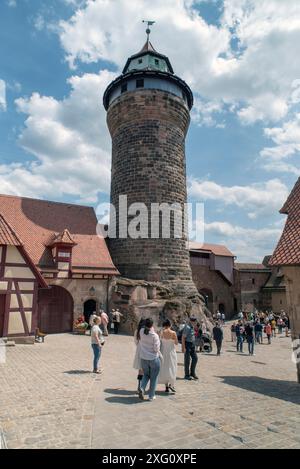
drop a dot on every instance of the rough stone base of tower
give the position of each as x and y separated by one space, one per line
137 298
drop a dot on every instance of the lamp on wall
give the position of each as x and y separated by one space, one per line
92 291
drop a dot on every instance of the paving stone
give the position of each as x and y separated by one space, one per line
235 404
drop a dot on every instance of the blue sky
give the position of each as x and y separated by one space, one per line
241 60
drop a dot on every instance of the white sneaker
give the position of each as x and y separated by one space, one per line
152 398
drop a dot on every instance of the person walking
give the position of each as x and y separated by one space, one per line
268 331
168 368
273 326
233 334
249 330
97 341
104 322
116 320
239 332
149 346
189 349
137 358
223 318
218 337
258 329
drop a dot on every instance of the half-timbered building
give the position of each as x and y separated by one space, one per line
54 267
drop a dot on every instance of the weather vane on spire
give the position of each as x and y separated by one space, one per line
148 30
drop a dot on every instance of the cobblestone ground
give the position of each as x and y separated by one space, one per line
50 399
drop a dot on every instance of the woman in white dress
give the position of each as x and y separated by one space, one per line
168 370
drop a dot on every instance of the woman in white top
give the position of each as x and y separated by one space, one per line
149 349
97 343
168 369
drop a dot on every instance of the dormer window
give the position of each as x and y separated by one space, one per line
140 61
156 61
64 254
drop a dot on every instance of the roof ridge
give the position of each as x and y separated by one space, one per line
45 201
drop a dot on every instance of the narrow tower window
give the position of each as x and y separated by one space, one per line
140 61
123 87
140 83
156 61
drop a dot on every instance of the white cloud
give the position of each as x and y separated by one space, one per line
260 199
11 3
287 145
69 140
2 95
257 72
248 244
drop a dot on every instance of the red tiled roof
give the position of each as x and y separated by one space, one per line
7 235
217 249
287 251
38 221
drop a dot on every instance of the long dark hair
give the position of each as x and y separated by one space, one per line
140 326
148 325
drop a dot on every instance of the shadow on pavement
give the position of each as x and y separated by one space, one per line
78 372
285 390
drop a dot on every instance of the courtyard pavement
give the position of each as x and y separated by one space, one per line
50 399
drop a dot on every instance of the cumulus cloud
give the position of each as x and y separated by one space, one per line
249 58
248 244
260 199
2 95
12 3
287 145
69 140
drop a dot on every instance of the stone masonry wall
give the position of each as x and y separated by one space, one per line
148 129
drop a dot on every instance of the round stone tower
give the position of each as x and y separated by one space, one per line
148 115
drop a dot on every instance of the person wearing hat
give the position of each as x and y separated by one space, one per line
189 349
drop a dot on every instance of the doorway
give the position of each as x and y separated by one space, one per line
2 314
88 308
55 310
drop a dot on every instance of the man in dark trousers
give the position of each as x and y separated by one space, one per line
189 349
218 337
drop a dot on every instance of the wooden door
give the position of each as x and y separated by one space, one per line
55 310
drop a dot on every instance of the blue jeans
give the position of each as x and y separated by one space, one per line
259 338
250 341
151 369
239 343
97 353
190 353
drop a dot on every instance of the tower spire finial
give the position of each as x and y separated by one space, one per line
148 30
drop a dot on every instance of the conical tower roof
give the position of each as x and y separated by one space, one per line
148 59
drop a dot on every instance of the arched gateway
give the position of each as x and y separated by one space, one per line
55 310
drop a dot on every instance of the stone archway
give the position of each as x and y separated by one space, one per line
55 307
